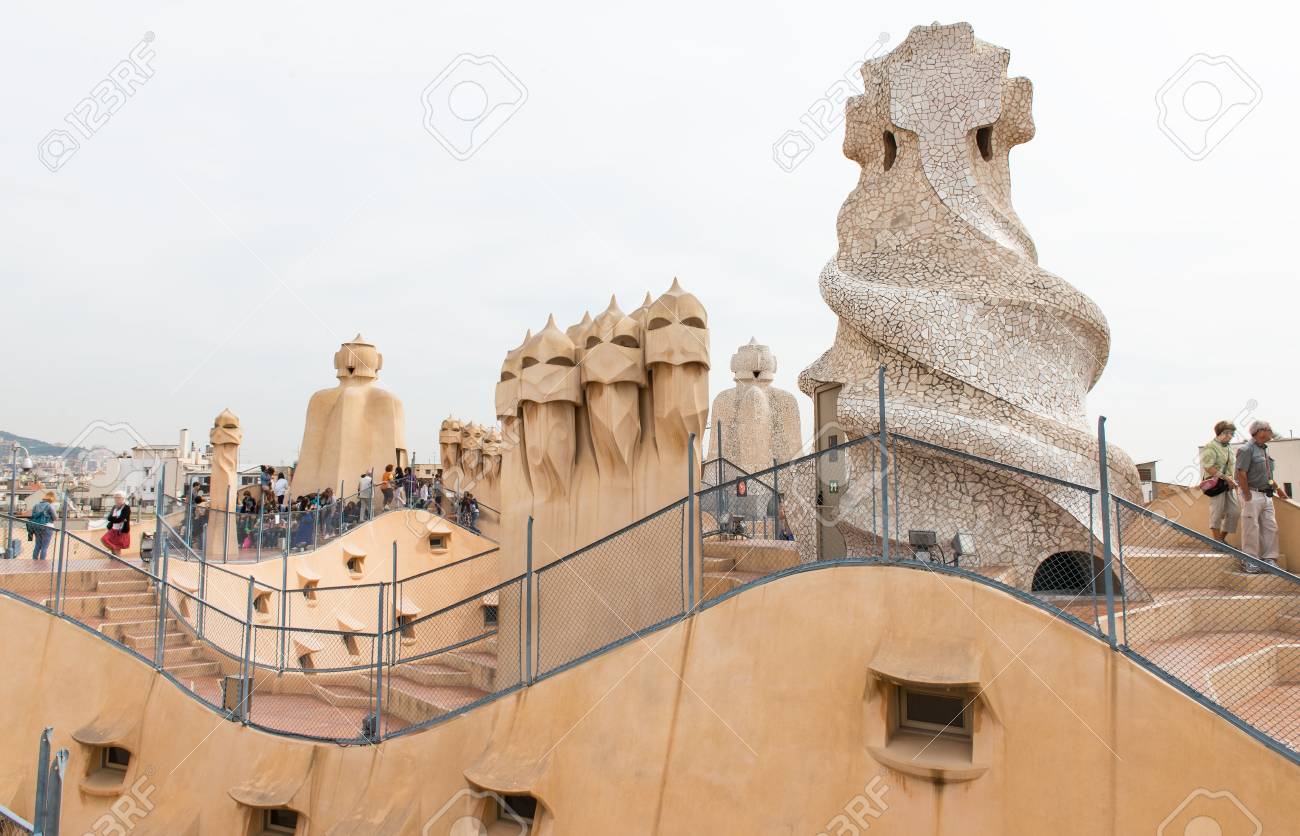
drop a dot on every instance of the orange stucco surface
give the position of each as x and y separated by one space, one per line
757 716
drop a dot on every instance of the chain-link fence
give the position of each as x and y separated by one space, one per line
1033 532
1224 623
615 588
367 660
32 573
446 661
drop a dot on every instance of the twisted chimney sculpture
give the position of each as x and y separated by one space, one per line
937 280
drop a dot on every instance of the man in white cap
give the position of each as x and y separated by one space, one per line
1255 480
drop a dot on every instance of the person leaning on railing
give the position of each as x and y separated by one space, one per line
1255 478
1217 482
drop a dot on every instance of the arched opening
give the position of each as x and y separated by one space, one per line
891 150
1071 573
984 139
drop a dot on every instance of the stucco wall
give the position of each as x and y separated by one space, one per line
754 717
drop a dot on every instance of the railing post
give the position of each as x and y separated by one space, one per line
160 555
157 523
189 514
54 793
203 590
60 568
261 515
246 686
225 531
42 781
884 468
776 493
528 615
1107 558
377 730
690 525
13 498
285 611
288 520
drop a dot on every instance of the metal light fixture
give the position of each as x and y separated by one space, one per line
922 542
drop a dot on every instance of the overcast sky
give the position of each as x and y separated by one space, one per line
268 189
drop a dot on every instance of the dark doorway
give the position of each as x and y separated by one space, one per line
1071 573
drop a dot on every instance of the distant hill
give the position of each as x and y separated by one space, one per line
37 447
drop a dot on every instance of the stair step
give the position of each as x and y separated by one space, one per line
433 673
192 669
130 613
346 696
122 586
761 556
718 564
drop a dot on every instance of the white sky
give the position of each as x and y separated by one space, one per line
271 191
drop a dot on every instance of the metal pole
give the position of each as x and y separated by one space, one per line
338 509
160 640
288 524
42 780
285 611
1107 558
261 514
246 686
13 490
54 794
225 530
61 556
158 521
776 491
397 603
884 468
528 615
690 526
189 513
377 731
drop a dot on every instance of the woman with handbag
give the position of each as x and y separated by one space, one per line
1217 482
118 537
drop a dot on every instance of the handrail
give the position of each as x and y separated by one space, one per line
1217 545
581 635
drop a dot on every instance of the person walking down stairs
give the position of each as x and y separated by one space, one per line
1255 469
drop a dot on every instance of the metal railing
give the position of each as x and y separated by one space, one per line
269 531
1218 624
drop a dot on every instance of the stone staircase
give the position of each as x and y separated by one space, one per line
419 691
1231 635
121 604
729 564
